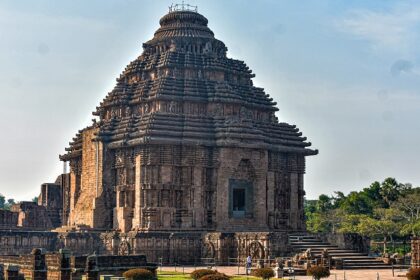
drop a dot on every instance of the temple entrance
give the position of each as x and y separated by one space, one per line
238 202
240 198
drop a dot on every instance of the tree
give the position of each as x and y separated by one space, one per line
357 203
2 201
9 203
386 224
391 190
409 207
350 223
324 203
373 192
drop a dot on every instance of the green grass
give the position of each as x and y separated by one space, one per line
173 275
244 277
176 275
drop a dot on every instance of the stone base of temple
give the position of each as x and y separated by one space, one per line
162 247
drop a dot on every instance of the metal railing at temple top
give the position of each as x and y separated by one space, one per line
183 7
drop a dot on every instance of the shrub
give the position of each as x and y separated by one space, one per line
198 273
319 272
264 273
215 276
139 274
414 274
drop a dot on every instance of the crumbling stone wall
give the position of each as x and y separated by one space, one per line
8 219
25 216
62 266
349 241
51 198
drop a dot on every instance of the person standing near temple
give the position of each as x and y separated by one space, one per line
248 264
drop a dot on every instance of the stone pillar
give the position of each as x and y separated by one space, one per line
294 200
75 179
39 271
199 214
91 270
415 252
11 272
65 269
123 210
270 198
301 194
278 271
137 195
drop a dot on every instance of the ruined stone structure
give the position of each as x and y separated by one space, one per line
25 215
185 158
39 265
52 198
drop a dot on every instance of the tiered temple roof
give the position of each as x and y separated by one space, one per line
184 90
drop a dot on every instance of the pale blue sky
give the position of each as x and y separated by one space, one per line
347 73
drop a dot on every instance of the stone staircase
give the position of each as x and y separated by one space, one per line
351 259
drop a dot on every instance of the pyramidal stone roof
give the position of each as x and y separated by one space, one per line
183 89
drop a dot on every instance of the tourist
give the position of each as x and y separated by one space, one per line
248 265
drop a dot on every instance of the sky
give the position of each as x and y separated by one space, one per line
347 73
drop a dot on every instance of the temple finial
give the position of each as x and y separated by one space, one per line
183 7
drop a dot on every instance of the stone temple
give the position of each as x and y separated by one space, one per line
184 159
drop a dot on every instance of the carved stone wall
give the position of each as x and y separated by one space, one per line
171 248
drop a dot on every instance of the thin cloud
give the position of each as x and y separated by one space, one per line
393 30
401 66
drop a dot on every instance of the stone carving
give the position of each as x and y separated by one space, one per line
172 47
218 110
122 178
256 250
127 111
119 158
172 107
124 248
113 114
209 251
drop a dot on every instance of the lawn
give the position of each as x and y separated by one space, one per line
173 275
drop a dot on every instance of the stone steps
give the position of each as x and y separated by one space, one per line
351 258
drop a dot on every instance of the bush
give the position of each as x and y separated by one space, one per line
215 276
264 273
318 272
139 274
198 273
414 274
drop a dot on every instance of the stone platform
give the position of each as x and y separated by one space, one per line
166 247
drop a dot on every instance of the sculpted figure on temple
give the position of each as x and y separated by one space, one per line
172 47
172 107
